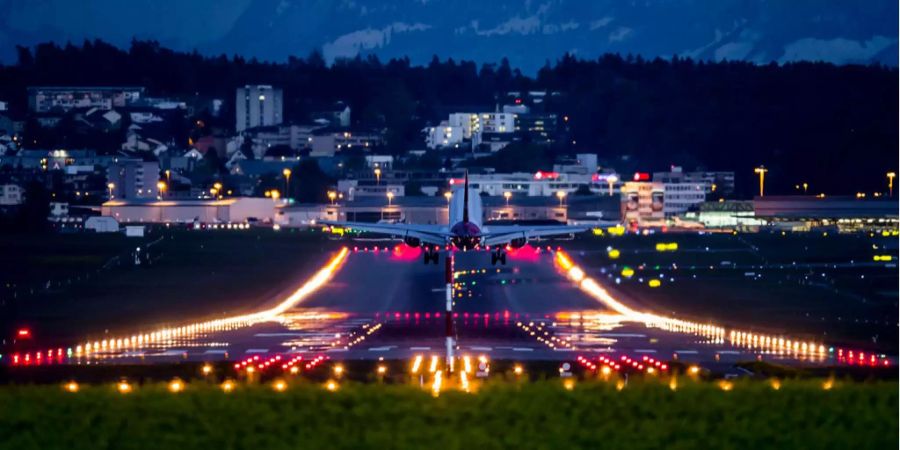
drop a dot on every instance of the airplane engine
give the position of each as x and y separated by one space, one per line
412 242
518 243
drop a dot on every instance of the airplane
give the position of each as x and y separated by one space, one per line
467 230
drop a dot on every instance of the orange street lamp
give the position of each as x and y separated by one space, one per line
275 195
761 171
507 195
448 195
891 176
111 186
331 196
561 195
161 187
390 196
611 180
377 176
287 181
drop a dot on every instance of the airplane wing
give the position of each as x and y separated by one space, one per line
497 235
432 234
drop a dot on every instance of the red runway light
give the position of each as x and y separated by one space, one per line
24 333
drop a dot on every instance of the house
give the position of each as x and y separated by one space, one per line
11 194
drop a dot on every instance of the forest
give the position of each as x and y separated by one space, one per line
802 121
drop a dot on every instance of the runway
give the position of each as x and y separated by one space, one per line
386 304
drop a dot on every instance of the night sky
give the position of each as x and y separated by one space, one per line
527 32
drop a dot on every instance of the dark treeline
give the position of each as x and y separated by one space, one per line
834 127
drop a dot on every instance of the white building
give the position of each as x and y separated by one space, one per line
720 182
469 126
263 138
384 162
229 210
353 190
257 105
330 142
10 194
48 98
679 197
133 178
539 184
444 135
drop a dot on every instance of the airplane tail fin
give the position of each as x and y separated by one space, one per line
466 199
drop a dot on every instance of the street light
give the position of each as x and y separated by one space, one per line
275 195
891 176
377 176
331 196
161 188
168 176
390 196
287 181
561 195
611 180
448 195
507 195
761 170
111 186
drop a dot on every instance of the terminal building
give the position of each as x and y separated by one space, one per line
434 210
228 210
844 213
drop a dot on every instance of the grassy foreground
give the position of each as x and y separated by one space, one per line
532 415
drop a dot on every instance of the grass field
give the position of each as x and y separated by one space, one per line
824 287
540 415
192 275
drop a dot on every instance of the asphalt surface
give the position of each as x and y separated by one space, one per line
387 304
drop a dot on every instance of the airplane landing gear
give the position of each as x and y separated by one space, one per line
429 256
498 256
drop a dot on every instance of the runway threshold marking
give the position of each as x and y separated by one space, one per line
279 334
481 349
215 352
173 352
645 350
687 352
623 335
257 350
729 352
523 349
382 349
424 349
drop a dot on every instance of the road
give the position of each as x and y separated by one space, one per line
387 304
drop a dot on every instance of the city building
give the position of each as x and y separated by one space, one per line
257 105
293 136
844 213
444 135
720 183
133 178
538 184
434 210
732 214
472 127
354 189
338 116
228 210
643 203
3 106
328 142
678 198
45 99
11 194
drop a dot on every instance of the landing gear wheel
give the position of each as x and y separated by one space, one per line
430 256
498 256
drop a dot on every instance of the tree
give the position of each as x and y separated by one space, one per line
309 184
